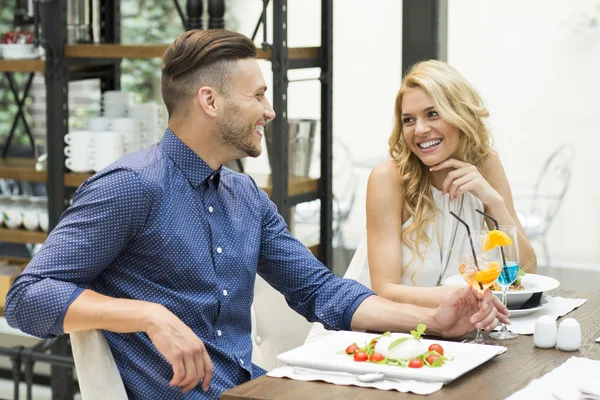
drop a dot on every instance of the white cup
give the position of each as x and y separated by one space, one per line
43 220
569 335
99 124
102 162
114 110
77 151
117 97
545 333
147 113
78 164
31 220
79 137
13 213
125 125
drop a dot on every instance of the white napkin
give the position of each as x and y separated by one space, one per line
338 378
557 307
563 382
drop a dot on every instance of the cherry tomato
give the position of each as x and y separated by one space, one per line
437 348
376 357
416 363
360 356
351 349
431 358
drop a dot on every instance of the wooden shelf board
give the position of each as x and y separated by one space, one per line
23 169
157 50
22 236
297 184
22 65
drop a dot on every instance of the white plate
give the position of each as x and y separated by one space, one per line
327 353
533 283
544 301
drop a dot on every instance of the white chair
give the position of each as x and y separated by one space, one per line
542 205
276 328
97 372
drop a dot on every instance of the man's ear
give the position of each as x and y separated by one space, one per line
207 99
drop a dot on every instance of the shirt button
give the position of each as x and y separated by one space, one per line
224 292
219 333
241 361
210 209
219 250
257 339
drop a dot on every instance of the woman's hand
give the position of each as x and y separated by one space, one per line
465 177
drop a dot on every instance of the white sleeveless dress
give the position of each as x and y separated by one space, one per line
439 258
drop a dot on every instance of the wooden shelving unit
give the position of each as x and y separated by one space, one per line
22 65
157 51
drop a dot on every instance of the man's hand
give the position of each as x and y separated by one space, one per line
465 309
182 349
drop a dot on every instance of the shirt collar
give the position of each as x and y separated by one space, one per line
189 163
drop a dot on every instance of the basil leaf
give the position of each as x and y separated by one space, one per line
397 342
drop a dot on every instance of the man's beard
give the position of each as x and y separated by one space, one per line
236 133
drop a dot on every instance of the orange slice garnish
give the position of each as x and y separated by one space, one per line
494 239
487 276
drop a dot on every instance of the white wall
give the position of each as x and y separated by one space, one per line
538 68
538 77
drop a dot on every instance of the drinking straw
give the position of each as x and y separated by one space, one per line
504 271
470 242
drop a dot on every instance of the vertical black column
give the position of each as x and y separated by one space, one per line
279 61
57 111
110 32
325 183
424 31
216 12
194 14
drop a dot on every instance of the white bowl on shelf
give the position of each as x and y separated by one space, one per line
25 51
533 283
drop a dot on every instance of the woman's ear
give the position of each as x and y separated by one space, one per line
207 99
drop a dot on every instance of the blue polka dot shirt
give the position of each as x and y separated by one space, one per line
160 225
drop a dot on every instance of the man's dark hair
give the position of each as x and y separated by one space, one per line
200 58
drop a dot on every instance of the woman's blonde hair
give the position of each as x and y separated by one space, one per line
457 102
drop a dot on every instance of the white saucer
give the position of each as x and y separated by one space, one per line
544 301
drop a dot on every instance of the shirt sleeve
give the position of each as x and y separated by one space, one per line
309 288
107 212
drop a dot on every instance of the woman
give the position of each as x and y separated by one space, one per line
442 161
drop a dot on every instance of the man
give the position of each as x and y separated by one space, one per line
161 249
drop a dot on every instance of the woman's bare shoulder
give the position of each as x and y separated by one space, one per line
386 174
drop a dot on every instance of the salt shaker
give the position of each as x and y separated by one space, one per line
569 335
545 334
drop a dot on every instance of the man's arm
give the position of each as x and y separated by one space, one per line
107 212
309 288
456 316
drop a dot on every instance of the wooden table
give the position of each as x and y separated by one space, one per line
496 379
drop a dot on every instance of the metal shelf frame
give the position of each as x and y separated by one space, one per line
65 63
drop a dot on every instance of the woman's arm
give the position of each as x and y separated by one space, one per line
385 207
